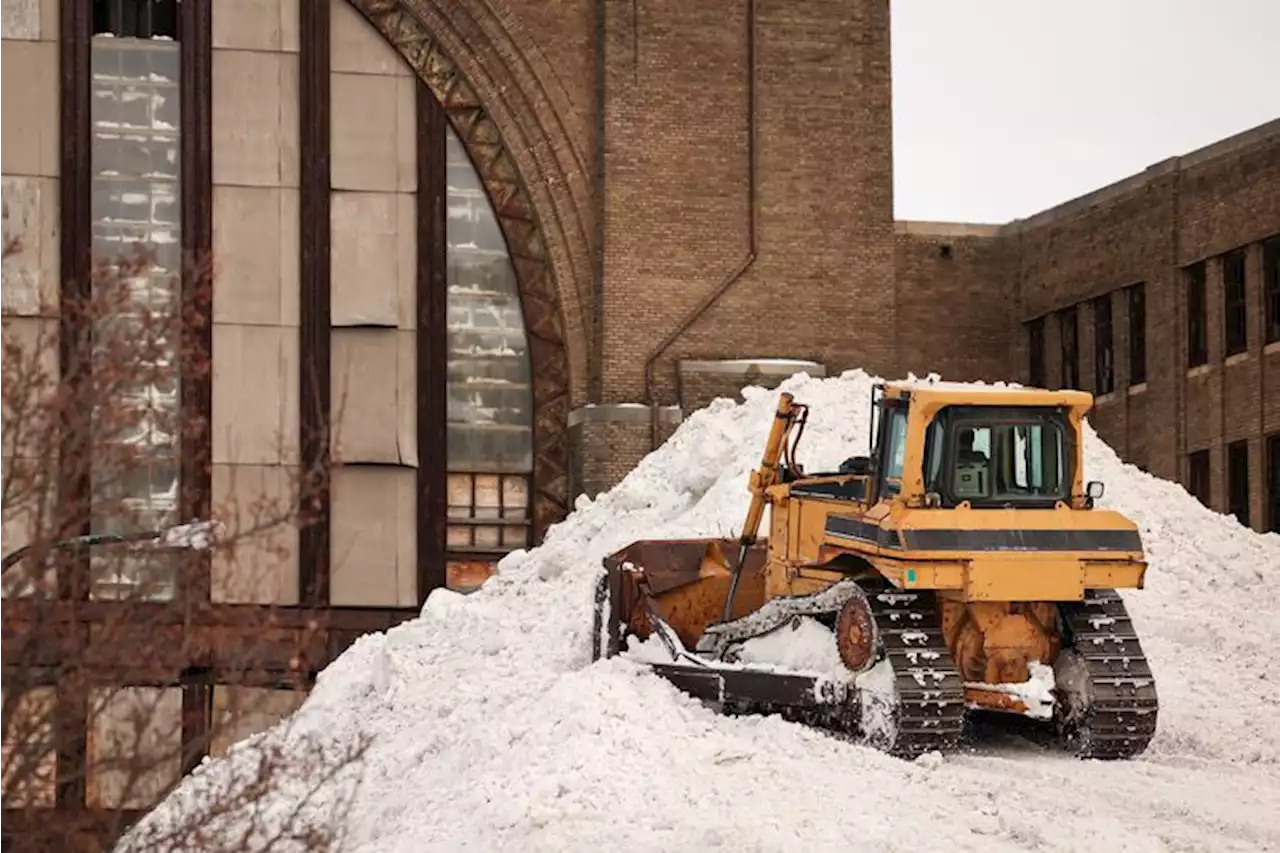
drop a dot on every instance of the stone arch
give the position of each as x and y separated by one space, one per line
551 263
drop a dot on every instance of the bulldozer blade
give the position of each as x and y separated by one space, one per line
686 581
736 688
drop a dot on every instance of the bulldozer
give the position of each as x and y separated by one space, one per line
960 570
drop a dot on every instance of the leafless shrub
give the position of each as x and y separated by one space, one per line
110 555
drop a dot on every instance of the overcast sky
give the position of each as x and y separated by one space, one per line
1003 108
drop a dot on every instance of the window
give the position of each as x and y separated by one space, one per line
1137 334
490 431
1238 481
1197 343
1000 456
1198 475
142 19
1070 347
1035 351
135 120
1271 287
1273 483
1234 310
895 450
1104 374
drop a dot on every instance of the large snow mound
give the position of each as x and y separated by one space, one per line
491 729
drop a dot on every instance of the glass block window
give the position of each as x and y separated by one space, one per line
490 419
135 204
488 512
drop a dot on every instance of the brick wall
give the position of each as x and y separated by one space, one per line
677 190
1147 229
954 287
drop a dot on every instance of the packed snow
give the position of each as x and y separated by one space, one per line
491 728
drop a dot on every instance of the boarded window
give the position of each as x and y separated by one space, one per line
135 745
30 757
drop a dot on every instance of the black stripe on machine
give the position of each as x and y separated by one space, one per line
986 540
852 528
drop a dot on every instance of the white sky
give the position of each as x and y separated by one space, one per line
1003 108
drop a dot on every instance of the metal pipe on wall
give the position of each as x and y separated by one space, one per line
753 202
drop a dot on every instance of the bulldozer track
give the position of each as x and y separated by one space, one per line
926 711
1119 719
929 709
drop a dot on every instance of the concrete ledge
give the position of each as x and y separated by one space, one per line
1261 134
945 229
622 413
754 367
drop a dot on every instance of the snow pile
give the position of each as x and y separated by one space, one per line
491 729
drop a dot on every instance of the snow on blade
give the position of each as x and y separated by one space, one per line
491 729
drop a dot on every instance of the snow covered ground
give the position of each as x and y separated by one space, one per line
492 729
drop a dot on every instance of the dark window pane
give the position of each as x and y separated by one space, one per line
1233 302
1238 481
1137 334
1070 347
1035 349
1273 482
1198 476
1104 377
1271 287
1197 342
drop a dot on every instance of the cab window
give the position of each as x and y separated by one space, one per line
895 450
1008 463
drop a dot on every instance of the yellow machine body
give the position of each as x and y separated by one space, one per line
999 572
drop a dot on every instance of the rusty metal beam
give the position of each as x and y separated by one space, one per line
432 343
314 278
159 642
195 43
48 830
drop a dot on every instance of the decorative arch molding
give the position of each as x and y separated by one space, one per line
545 305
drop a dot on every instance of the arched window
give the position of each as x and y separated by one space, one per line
490 399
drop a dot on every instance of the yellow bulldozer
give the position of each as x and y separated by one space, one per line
961 566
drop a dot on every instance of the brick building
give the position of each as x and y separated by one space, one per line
501 246
1160 294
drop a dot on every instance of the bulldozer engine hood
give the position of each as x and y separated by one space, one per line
1002 555
1097 532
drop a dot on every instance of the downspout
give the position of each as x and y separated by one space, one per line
752 229
595 383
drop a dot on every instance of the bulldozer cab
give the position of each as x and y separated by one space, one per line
940 446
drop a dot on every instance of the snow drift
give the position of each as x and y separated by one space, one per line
491 729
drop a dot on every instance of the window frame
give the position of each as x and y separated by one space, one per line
957 417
